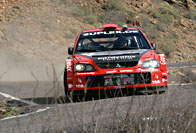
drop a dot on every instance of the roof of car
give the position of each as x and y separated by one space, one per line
109 27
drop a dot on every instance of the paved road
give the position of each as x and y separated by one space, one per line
181 65
103 114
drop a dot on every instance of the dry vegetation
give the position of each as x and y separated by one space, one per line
42 30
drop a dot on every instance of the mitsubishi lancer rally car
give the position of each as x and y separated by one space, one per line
114 59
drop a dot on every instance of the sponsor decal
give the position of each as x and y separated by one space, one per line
87 73
162 60
113 58
156 82
126 70
69 68
148 70
111 71
70 85
153 69
79 80
84 62
119 87
88 54
144 70
80 86
109 32
164 80
118 65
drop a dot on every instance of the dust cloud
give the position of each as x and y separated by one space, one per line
15 67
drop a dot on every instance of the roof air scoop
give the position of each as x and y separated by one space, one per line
125 28
108 27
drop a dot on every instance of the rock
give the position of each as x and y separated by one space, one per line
170 1
144 5
184 23
189 3
153 21
98 1
16 7
2 111
139 23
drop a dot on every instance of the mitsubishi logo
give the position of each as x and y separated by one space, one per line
118 65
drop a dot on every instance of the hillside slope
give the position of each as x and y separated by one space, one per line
36 32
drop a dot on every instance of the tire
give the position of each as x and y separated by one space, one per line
67 93
160 90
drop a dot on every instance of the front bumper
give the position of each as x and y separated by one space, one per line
117 79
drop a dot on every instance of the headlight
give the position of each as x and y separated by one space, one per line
150 64
83 68
79 67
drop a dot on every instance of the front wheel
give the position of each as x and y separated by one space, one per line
161 89
67 93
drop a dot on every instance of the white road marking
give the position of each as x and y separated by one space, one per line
182 84
17 99
180 66
38 111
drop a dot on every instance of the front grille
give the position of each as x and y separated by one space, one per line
118 79
117 64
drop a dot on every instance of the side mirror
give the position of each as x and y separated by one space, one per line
70 50
153 46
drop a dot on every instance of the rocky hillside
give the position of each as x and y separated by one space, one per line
34 31
170 23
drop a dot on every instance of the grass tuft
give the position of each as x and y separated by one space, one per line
191 14
109 17
113 5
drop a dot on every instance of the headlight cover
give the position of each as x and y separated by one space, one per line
83 68
150 64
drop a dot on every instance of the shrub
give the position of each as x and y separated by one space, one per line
79 11
155 13
151 31
188 76
109 17
131 21
164 18
68 34
146 20
113 5
173 35
191 14
167 19
75 30
166 47
162 27
90 19
167 9
131 12
84 13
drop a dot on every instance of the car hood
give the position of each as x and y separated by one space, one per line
116 56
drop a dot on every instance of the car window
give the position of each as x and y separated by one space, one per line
104 42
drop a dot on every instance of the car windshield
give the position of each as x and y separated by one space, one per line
112 40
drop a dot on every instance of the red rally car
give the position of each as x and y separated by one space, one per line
114 58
